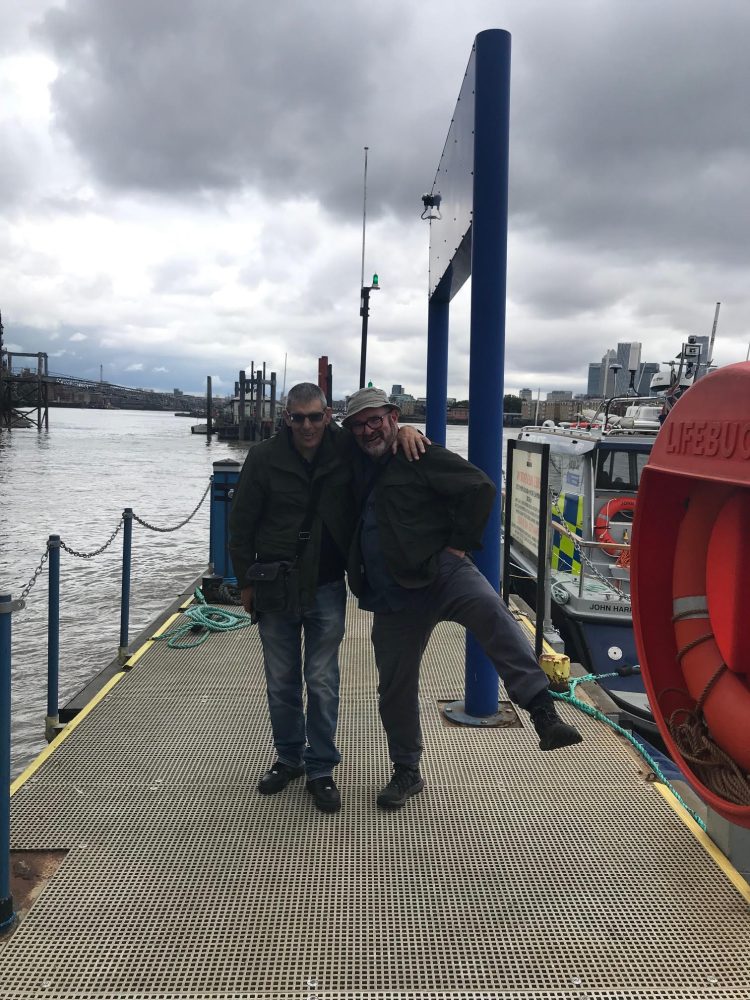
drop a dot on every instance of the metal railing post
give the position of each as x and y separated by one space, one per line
7 915
52 721
127 540
223 482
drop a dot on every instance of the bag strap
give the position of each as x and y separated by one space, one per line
303 536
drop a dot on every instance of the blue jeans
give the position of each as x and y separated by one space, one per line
311 741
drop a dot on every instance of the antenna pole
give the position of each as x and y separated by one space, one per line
364 219
713 337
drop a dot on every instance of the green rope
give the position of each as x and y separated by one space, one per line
571 699
201 620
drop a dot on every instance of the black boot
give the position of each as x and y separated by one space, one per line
406 781
552 731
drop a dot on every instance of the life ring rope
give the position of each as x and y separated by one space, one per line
707 732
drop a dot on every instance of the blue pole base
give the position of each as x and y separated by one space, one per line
7 916
504 718
52 727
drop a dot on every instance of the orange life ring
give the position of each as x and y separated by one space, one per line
708 581
601 526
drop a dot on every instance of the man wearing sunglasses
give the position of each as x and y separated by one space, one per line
294 504
410 566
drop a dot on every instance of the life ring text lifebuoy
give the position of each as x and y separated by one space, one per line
610 509
706 616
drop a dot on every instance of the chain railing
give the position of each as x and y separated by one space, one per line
153 527
51 555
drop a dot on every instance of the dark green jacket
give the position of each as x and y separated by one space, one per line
272 497
422 507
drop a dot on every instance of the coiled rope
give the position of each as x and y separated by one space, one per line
689 730
583 706
201 620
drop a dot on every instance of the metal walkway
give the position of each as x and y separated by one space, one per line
515 874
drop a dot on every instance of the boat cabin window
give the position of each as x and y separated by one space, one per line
566 473
619 470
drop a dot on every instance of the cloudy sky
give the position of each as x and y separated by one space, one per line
181 184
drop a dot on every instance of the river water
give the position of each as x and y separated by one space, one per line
74 481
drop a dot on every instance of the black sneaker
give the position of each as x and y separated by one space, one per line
325 794
278 777
405 782
552 731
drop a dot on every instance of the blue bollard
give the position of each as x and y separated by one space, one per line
52 722
7 915
127 544
224 480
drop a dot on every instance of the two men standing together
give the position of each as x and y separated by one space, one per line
401 519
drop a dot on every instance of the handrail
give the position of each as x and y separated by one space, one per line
584 543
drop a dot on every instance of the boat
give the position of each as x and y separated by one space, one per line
594 471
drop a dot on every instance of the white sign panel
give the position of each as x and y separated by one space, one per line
526 498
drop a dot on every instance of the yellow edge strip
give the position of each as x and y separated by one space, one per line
706 843
526 623
89 707
132 660
64 733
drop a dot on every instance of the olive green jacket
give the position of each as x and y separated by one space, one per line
272 497
422 507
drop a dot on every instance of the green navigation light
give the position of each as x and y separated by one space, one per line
374 281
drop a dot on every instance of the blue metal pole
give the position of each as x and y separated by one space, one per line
225 477
6 900
52 721
127 544
488 290
438 315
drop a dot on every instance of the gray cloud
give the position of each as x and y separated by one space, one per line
183 97
629 156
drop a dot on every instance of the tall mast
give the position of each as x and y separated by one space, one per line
713 337
364 219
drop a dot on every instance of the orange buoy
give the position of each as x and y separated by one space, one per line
609 510
714 676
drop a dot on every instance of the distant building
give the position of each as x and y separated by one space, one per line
526 394
397 390
406 402
559 394
594 384
458 415
607 383
549 409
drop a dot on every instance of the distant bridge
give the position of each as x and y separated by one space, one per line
27 391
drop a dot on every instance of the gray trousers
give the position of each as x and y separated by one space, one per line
462 594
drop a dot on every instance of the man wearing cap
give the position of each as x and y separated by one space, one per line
293 506
409 565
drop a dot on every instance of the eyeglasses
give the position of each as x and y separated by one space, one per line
358 426
300 418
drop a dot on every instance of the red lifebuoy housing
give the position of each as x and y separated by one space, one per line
707 590
617 505
690 578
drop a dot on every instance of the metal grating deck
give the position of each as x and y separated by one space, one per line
515 875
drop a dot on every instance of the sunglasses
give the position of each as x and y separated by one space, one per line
358 426
300 418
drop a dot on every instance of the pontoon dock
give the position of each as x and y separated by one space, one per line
516 874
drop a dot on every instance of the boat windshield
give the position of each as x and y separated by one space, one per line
619 469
